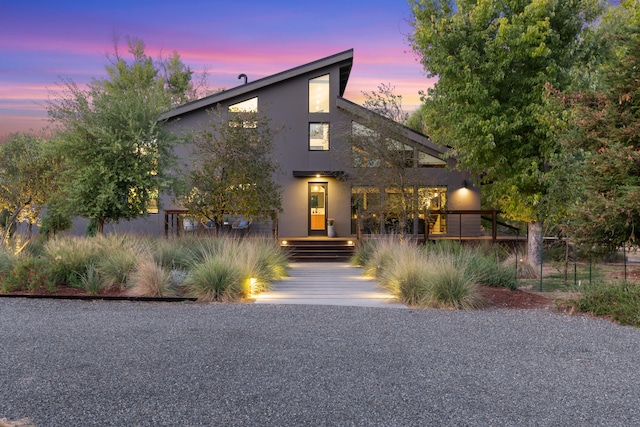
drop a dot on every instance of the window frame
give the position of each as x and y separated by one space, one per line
328 137
324 101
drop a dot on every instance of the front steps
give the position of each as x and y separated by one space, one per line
318 249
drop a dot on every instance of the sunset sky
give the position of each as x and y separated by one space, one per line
43 42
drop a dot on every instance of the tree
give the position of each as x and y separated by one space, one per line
232 169
117 156
602 148
379 158
25 180
493 60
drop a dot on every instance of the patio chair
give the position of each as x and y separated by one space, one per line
242 225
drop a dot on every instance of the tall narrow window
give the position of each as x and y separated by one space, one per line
318 136
319 94
431 201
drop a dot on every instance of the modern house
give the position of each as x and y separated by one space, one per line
321 170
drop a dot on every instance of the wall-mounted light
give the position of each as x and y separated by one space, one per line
464 183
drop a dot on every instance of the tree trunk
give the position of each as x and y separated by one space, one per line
534 243
11 222
100 226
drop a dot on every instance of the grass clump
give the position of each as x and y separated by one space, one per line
405 278
90 280
173 254
119 255
214 279
7 261
443 274
619 302
384 251
232 269
70 257
452 283
150 279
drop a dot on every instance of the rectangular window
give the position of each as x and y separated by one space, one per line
319 94
318 136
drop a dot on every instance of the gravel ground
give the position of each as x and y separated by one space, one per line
75 363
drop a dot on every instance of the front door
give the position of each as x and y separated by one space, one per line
317 209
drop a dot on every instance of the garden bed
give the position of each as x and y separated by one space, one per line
495 297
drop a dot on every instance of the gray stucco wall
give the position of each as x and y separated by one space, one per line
286 104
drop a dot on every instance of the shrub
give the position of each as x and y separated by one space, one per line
214 279
619 302
29 273
150 280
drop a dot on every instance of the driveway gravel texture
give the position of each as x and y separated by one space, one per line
79 363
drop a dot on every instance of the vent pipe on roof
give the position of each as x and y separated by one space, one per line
243 76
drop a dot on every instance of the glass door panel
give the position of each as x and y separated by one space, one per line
317 208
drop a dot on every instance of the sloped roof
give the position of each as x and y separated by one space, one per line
411 135
344 59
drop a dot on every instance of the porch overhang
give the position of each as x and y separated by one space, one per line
319 174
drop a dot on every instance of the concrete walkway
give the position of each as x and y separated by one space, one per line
327 283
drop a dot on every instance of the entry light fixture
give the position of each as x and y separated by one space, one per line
464 183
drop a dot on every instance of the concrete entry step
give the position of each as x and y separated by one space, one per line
318 249
327 283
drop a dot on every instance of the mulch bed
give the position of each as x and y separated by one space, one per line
496 297
504 298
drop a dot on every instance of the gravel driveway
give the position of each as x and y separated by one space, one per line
75 363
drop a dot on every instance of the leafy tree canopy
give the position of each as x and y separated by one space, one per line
493 60
601 151
25 179
116 154
233 169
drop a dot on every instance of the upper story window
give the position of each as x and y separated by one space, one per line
248 109
370 149
319 136
425 160
319 94
248 106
